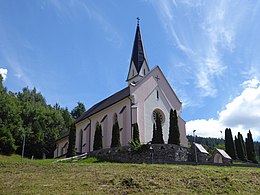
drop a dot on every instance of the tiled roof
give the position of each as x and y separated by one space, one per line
65 134
105 103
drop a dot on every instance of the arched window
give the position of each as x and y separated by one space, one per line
133 72
144 71
161 115
115 118
157 94
80 141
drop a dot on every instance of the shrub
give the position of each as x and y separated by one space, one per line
98 143
115 142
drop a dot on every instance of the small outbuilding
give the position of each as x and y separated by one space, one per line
220 156
200 154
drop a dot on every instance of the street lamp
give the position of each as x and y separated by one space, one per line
196 158
194 135
221 135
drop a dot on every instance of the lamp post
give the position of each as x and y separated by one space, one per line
151 150
221 135
23 145
196 158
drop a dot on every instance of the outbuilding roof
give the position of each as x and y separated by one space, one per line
201 148
105 103
223 153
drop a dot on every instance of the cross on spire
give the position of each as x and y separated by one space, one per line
138 20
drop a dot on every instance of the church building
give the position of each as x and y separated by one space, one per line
148 92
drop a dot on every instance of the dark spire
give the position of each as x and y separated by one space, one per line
138 53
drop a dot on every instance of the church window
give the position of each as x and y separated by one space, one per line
115 118
80 141
161 115
144 71
157 94
133 72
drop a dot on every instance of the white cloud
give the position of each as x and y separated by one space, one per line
241 114
208 33
3 72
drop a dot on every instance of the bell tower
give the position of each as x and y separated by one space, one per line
138 64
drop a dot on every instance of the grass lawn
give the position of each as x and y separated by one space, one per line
91 177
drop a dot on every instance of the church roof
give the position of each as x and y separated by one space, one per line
65 134
105 103
138 53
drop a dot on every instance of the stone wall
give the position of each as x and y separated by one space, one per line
154 153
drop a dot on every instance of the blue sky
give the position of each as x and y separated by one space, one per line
78 50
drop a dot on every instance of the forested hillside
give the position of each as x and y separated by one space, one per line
26 113
211 143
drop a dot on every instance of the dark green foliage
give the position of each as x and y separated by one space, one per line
78 110
154 134
229 144
174 132
251 154
27 113
157 131
209 143
136 137
98 143
7 141
240 146
115 142
72 141
35 141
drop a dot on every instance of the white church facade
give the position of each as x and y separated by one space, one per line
148 92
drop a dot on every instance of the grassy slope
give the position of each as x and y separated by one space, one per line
44 177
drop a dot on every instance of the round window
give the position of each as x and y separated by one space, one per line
160 114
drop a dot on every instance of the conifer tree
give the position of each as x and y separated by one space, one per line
98 143
154 134
174 132
72 139
251 155
229 143
115 142
241 153
136 137
237 148
158 136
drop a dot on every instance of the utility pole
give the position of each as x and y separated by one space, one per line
23 145
196 158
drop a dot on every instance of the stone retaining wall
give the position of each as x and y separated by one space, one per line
154 153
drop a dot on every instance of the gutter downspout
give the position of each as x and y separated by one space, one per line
89 144
131 117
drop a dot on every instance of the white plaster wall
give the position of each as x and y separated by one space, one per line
144 66
182 129
82 126
107 125
152 103
145 98
60 144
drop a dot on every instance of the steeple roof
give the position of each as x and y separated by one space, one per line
138 53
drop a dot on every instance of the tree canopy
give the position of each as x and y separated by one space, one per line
26 113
